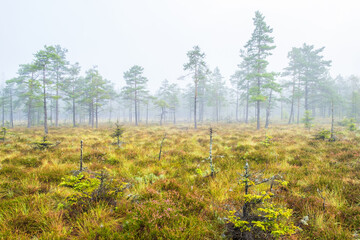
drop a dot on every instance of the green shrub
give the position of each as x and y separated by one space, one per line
267 142
44 144
260 219
90 189
323 135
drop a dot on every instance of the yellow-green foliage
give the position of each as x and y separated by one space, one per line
171 199
267 140
92 188
275 220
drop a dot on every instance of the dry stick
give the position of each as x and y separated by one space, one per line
247 186
210 155
162 141
81 155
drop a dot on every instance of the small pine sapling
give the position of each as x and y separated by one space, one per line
161 145
211 156
351 125
81 156
307 119
119 130
81 166
260 219
323 135
212 169
44 144
3 133
91 188
267 141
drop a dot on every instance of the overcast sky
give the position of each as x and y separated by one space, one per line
156 34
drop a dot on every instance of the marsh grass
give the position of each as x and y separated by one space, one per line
167 199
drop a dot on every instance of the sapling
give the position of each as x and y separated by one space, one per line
267 140
161 145
212 174
81 156
351 124
119 130
44 144
307 120
3 133
260 218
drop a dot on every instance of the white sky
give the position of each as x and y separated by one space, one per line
156 34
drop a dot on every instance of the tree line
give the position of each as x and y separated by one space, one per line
50 90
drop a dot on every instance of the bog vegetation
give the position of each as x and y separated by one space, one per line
282 183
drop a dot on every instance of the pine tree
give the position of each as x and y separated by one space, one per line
71 86
43 59
258 49
241 83
197 68
28 90
135 86
217 92
59 69
97 93
294 71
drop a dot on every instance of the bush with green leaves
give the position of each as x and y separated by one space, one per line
90 189
44 144
344 122
260 218
323 135
267 141
307 119
352 124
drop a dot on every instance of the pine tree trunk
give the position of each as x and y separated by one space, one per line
92 113
45 109
174 117
73 112
332 121
147 113
195 99
11 109
292 104
306 96
96 115
3 109
258 105
237 106
135 100
268 109
57 102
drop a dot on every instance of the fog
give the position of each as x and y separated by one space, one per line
156 35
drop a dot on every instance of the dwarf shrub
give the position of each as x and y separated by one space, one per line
260 218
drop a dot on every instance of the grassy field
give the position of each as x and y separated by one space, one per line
175 198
